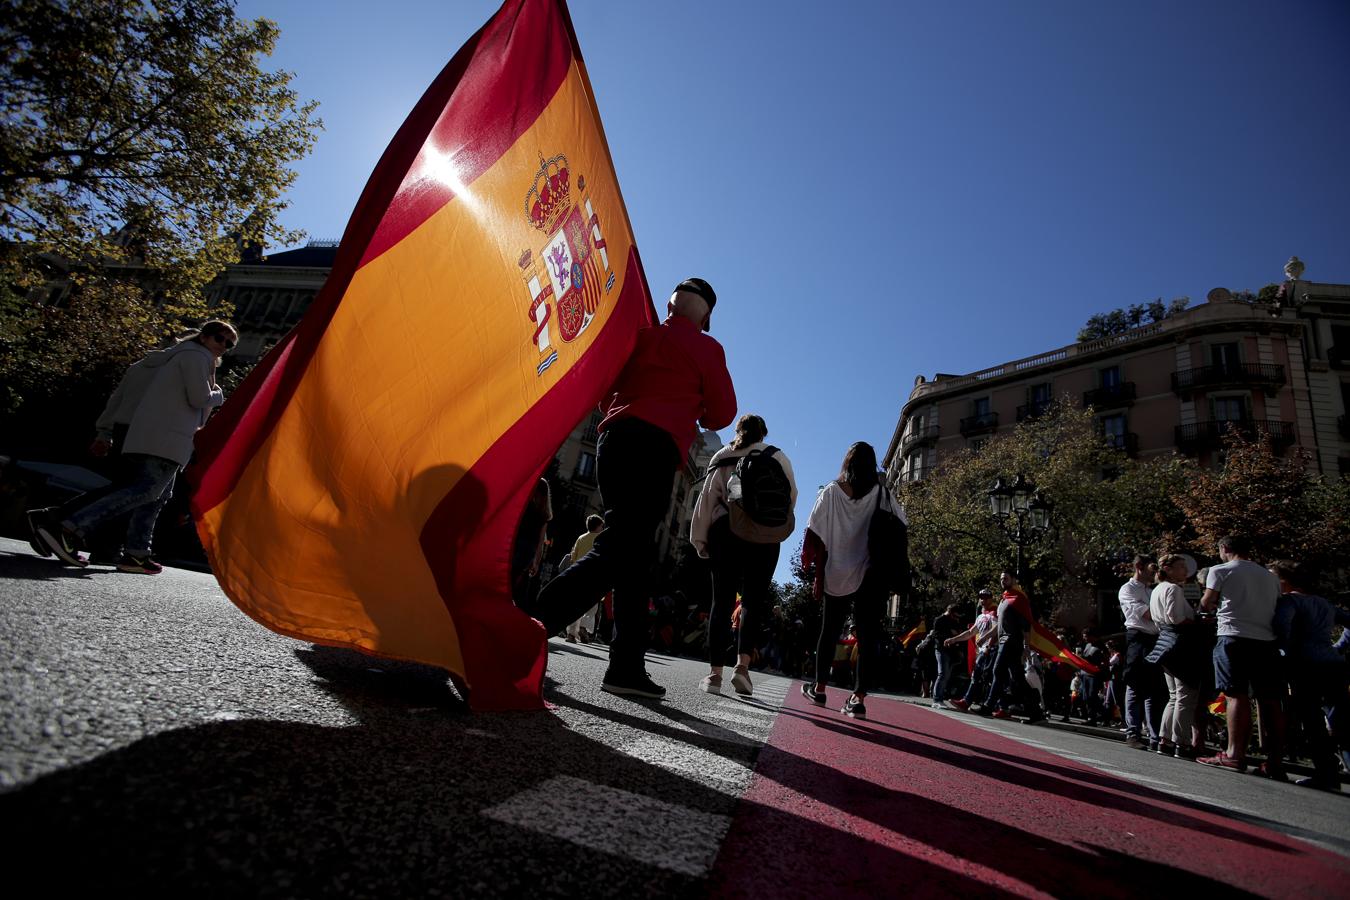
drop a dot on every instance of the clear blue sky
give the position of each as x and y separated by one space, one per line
884 189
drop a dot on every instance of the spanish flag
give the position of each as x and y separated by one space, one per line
362 487
1047 644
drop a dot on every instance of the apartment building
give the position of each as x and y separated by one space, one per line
1278 369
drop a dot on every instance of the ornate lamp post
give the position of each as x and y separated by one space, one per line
1021 511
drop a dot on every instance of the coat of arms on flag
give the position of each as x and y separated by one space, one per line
564 278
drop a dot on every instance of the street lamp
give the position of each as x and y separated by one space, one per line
1021 511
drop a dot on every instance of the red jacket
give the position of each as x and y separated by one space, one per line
676 379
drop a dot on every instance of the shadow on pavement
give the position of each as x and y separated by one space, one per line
32 567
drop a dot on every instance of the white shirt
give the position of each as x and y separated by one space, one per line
1134 597
1248 593
1169 605
842 523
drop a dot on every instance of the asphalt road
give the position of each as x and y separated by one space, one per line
153 738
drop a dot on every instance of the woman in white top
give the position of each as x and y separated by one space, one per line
836 542
1169 608
738 565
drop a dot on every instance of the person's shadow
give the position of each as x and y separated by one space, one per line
414 798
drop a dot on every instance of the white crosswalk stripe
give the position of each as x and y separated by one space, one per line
650 831
730 775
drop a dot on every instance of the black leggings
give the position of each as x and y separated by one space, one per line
867 604
742 567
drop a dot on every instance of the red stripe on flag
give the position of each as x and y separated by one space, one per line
489 94
467 540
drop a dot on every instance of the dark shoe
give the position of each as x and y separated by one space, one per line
980 709
1001 714
1166 749
1273 772
854 708
1185 753
1222 760
1035 717
37 518
1322 784
631 684
138 565
810 693
1136 743
62 542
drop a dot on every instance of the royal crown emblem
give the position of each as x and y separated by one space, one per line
550 197
569 276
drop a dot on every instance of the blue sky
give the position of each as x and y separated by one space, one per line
881 190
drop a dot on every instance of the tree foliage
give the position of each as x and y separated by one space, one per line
1105 506
1119 321
150 113
1282 508
142 144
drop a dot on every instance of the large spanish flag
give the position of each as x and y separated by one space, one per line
363 486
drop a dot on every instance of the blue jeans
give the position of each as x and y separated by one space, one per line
149 486
979 679
1009 680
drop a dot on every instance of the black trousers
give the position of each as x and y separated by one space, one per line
738 567
867 604
635 466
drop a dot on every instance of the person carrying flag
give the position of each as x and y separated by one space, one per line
1014 621
675 380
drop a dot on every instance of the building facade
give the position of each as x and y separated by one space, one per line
1171 386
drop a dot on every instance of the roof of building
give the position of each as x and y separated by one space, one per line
312 256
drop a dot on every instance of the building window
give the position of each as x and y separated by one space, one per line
1225 356
915 466
980 407
592 432
585 467
1040 394
1230 409
1113 428
1111 379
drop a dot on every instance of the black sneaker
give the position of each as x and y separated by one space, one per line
139 565
631 684
62 543
810 693
36 519
854 708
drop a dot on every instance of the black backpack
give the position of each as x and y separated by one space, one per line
762 511
888 548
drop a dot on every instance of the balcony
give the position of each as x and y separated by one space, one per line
921 437
1233 375
1194 438
981 424
1127 441
1033 410
1118 395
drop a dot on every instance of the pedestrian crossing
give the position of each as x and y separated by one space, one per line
725 734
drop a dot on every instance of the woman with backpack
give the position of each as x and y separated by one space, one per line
743 513
847 578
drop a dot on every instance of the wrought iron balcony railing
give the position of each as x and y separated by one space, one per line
1262 375
1200 436
980 424
921 437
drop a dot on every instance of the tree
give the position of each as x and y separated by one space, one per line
1119 321
1105 504
1282 508
142 144
149 114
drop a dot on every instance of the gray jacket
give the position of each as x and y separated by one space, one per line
124 400
175 404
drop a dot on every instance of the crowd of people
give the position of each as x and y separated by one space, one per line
1260 637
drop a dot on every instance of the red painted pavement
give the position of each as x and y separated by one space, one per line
914 802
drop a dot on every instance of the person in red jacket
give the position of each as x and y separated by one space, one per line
675 380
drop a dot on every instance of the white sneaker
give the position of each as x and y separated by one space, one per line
741 682
711 683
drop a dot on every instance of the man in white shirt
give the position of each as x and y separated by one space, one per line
1145 689
985 633
1246 658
